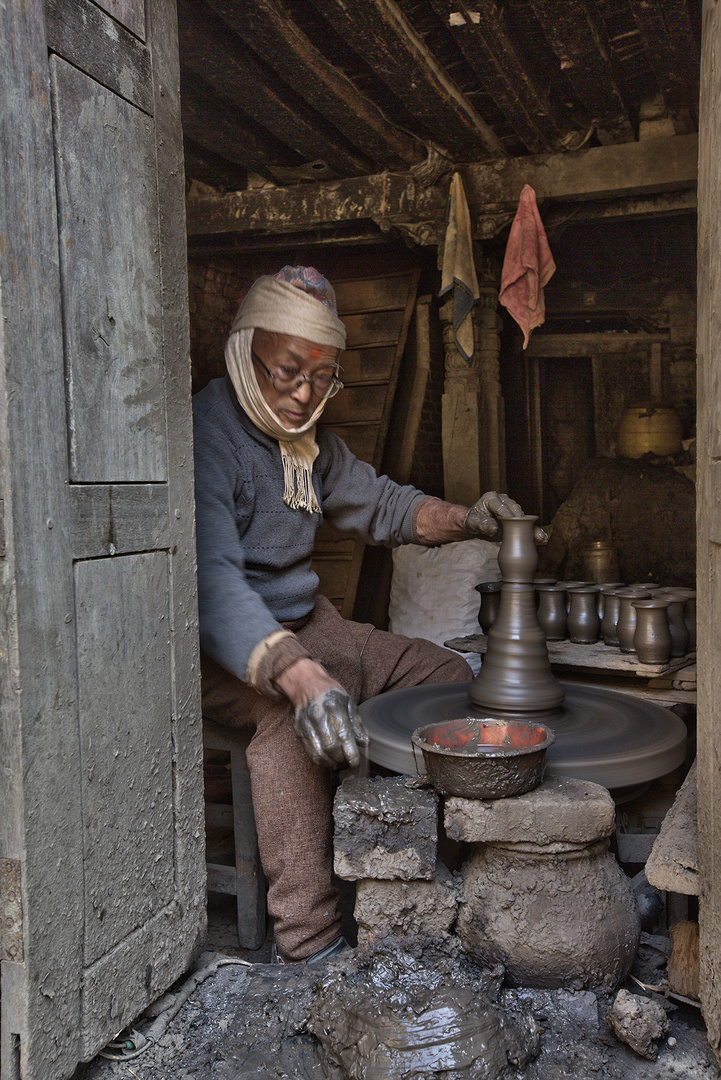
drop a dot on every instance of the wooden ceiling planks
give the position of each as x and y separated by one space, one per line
672 51
379 31
209 123
580 40
267 26
485 41
212 53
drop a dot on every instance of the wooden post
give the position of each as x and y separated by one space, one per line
473 419
709 524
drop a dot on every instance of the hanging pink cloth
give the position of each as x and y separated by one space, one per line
527 266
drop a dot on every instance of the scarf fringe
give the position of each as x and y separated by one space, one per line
298 490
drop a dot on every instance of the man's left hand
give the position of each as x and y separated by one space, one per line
484 518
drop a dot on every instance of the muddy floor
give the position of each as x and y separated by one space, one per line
247 1022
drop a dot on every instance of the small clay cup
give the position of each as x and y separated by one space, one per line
552 614
584 625
490 592
677 623
611 606
626 625
607 587
652 637
689 615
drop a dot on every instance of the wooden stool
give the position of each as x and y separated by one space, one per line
246 880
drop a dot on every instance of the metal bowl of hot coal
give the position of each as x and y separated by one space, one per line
483 759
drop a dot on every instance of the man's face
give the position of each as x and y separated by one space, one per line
284 353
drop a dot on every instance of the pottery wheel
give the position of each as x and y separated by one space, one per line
609 738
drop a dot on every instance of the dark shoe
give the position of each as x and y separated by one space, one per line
333 948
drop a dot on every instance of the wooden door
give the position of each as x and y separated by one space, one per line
101 832
709 522
376 312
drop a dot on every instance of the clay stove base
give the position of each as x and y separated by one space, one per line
607 737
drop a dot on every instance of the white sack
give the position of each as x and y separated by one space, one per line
433 590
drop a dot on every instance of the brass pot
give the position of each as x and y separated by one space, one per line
647 428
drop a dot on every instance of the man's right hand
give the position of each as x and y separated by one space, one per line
327 721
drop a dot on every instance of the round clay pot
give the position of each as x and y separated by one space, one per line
652 637
626 625
490 592
560 915
689 615
611 605
552 614
677 623
584 625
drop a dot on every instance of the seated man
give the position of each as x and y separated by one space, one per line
275 655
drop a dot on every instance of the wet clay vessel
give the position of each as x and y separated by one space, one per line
515 678
490 593
584 625
626 625
677 623
552 614
652 637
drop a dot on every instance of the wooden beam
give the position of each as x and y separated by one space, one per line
490 52
268 28
213 126
380 33
587 344
213 53
388 199
672 52
201 164
578 36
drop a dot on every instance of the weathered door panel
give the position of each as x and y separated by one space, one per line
709 522
100 774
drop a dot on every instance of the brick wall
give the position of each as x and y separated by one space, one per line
215 293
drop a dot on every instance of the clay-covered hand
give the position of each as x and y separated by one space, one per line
330 729
483 519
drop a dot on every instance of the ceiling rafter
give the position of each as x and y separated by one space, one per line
268 28
485 42
207 123
580 40
214 54
380 32
671 50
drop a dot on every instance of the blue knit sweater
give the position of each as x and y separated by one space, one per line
254 552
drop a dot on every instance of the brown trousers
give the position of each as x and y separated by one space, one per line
292 797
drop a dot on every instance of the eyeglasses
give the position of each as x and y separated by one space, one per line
286 378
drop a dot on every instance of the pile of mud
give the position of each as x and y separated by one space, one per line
395 1017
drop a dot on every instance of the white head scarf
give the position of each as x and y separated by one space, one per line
306 310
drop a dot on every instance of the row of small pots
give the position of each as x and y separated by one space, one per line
655 623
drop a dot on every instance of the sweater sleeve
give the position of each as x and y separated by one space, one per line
359 501
234 620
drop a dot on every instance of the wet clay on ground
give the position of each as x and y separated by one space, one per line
251 1024
397 1017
